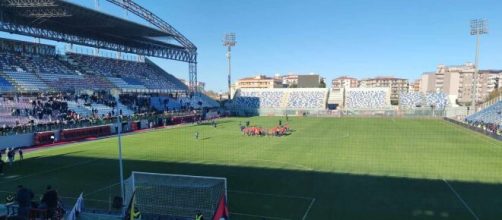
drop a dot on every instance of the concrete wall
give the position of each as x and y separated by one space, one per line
20 140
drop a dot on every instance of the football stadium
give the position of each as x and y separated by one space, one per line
88 136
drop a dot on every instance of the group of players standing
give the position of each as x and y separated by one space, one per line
11 156
277 131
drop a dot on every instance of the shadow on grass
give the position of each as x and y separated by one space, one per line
287 194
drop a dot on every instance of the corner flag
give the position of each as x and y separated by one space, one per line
222 211
133 212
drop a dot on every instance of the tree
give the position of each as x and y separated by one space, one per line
322 84
494 94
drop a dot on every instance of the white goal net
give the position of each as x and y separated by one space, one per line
175 196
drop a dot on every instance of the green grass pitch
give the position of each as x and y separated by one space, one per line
328 168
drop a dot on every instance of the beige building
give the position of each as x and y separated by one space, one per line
344 82
457 81
259 82
414 86
488 80
397 85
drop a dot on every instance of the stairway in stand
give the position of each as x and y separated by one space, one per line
285 99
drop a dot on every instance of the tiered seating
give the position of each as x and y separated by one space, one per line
125 83
78 108
72 82
281 98
15 112
366 99
99 73
205 102
27 81
258 98
490 115
411 100
24 68
5 85
102 109
161 102
125 109
24 62
133 73
438 100
208 102
307 99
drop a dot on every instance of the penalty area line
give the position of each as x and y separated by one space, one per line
271 195
461 200
308 209
102 189
258 216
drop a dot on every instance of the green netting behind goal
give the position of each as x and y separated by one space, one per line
175 195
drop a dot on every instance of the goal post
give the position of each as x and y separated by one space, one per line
175 196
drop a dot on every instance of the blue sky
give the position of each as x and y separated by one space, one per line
361 38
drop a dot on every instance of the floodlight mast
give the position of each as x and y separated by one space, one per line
229 42
478 27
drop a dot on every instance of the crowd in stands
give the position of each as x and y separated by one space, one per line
41 111
36 70
281 98
488 119
99 97
410 100
33 109
138 102
365 99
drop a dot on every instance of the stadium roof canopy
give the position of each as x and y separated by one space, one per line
64 21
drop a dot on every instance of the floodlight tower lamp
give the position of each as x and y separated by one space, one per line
478 27
229 42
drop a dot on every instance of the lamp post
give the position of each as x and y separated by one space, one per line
229 42
478 28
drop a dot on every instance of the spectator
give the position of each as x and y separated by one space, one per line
11 154
2 164
9 205
20 151
50 201
23 199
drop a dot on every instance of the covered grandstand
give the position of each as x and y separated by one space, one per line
34 76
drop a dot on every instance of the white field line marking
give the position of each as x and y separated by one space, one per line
51 170
251 160
271 195
101 189
308 209
470 132
63 146
461 200
258 216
